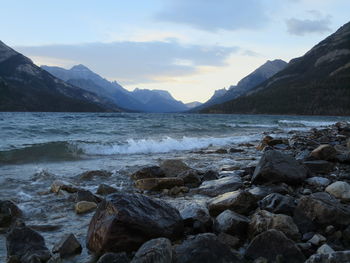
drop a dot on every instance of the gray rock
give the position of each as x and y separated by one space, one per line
210 175
335 257
278 204
340 190
262 191
104 189
191 178
325 249
89 175
173 167
148 172
220 186
317 240
231 223
318 181
68 246
158 184
154 251
114 258
85 195
319 166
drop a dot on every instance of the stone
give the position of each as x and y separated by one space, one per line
335 257
104 189
220 186
148 172
157 250
319 166
191 178
276 167
88 175
26 245
58 185
264 143
275 247
229 240
84 207
9 213
325 249
324 152
317 240
158 184
210 175
348 144
173 167
204 248
318 181
68 246
114 258
85 195
340 190
231 223
263 220
123 222
240 201
262 191
235 150
278 204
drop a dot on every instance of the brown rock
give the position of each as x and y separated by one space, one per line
158 184
84 207
58 185
324 152
148 172
104 189
96 173
68 246
173 167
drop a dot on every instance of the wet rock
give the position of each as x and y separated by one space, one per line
229 240
177 190
157 250
231 223
262 191
26 245
45 228
68 246
275 167
210 175
317 240
158 184
84 207
235 150
335 257
58 185
348 144
221 151
173 167
85 195
340 190
96 173
216 187
239 201
191 178
104 189
264 143
204 248
9 212
318 181
123 222
319 166
264 220
325 249
278 204
148 172
275 247
324 152
114 258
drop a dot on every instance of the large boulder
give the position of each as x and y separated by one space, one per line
220 186
148 172
123 222
204 248
335 257
173 167
158 184
231 223
157 250
240 201
278 204
26 245
274 246
9 212
324 152
275 167
340 190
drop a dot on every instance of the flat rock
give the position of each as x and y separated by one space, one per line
340 190
148 172
324 152
278 204
275 167
319 166
84 207
262 191
335 257
157 250
318 181
231 223
123 222
173 167
216 187
158 184
9 212
68 246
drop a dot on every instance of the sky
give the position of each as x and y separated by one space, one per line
189 47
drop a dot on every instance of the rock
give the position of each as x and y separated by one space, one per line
96 173
319 166
85 195
275 167
191 178
157 250
26 245
231 241
45 228
58 185
204 248
335 257
216 187
262 191
123 222
241 202
324 152
325 249
68 246
84 207
148 172
317 240
114 258
231 223
158 184
210 175
340 190
173 168
221 151
278 204
275 247
235 150
264 220
176 190
318 181
104 189
348 144
9 212
264 143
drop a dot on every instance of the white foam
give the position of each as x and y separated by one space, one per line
306 123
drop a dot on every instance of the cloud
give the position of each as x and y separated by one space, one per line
135 62
213 15
301 27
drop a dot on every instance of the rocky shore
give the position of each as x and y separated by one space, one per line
292 206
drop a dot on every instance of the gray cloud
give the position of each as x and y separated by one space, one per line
214 15
301 27
136 62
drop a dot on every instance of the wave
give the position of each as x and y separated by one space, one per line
302 123
253 125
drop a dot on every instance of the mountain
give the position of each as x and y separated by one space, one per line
317 83
246 84
138 100
26 87
193 104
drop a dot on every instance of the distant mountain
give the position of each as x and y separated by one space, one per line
245 85
138 100
26 87
317 83
193 104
